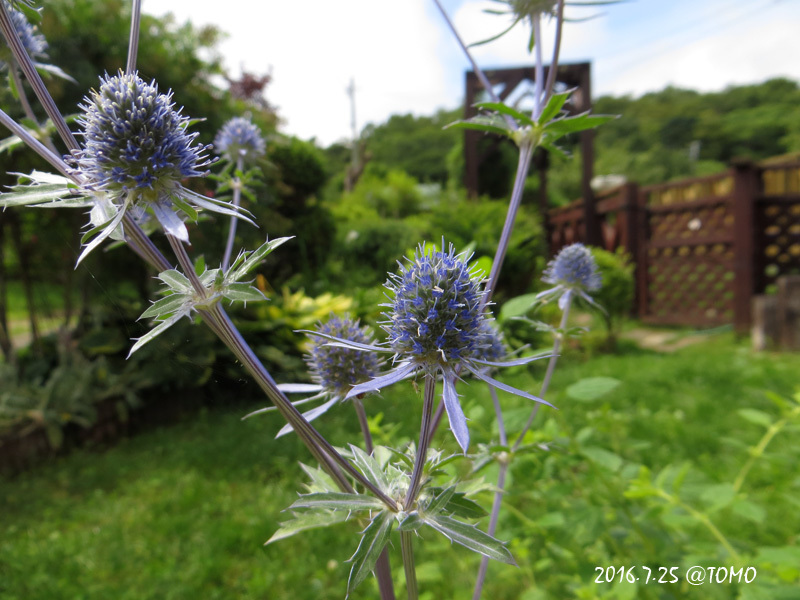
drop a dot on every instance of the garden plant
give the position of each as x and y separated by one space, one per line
129 166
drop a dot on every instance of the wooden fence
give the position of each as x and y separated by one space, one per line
703 246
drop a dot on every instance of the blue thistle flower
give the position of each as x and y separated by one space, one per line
239 138
335 369
573 272
136 152
34 42
437 325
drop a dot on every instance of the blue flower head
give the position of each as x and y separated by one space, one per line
335 368
136 151
33 41
573 272
239 138
436 317
136 140
437 325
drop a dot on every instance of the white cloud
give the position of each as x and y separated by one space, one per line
404 59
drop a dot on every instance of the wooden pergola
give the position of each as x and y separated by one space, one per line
577 76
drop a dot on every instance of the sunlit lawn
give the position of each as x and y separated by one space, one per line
183 511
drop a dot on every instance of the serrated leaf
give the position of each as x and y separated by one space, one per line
561 127
337 501
243 292
164 306
320 480
175 280
505 109
470 537
370 468
373 541
463 507
486 123
305 521
412 522
592 388
252 260
440 500
554 106
26 195
157 330
758 417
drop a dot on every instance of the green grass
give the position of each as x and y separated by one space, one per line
182 512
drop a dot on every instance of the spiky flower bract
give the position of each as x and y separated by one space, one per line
136 151
437 326
573 272
239 138
335 368
34 42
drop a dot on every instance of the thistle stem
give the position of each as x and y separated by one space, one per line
29 69
525 156
407 549
26 106
551 74
237 200
22 133
133 42
475 68
551 366
538 83
424 440
362 421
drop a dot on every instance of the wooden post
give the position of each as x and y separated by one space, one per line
641 258
745 188
788 316
765 322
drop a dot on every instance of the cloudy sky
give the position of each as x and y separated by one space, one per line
404 59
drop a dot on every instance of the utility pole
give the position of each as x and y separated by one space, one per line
352 171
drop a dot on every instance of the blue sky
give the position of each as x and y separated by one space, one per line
404 59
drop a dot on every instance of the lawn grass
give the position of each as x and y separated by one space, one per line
183 511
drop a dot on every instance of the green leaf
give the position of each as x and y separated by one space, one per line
505 109
439 501
176 280
463 507
717 496
756 416
486 123
561 127
250 261
411 522
373 541
554 106
164 306
470 537
603 457
590 389
309 520
243 292
370 468
41 194
516 307
157 330
749 510
337 501
320 480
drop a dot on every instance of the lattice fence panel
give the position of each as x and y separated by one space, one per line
778 242
690 254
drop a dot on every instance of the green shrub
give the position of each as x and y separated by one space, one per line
616 295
